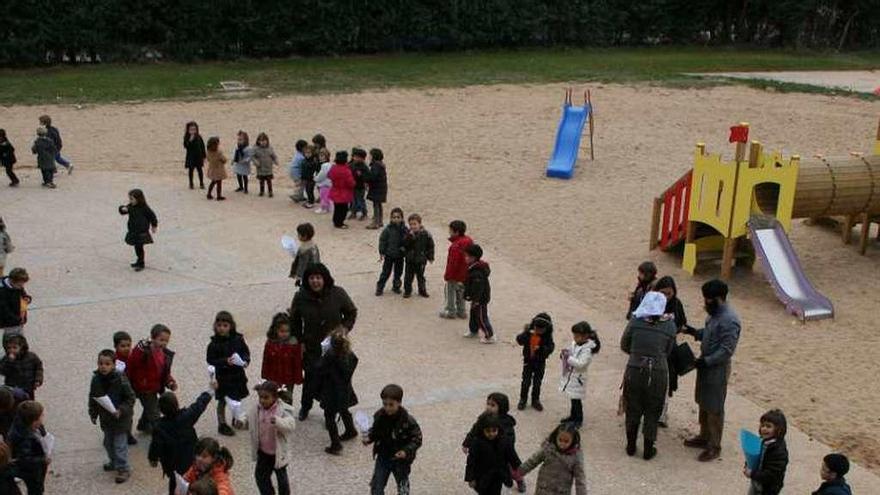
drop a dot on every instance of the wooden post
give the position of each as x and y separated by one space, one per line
754 154
655 223
590 117
727 258
846 233
866 229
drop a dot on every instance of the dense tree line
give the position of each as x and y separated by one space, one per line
50 31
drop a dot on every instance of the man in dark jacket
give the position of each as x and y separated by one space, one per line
174 436
478 291
718 343
11 295
318 308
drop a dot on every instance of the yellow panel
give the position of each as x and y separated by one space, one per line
689 259
712 191
772 168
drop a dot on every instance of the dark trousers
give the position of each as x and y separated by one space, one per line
309 187
388 265
48 176
35 481
219 185
190 171
333 429
265 183
242 182
359 205
532 376
490 487
377 213
417 271
310 364
384 468
150 414
9 173
576 414
263 475
340 210
711 428
480 320
645 390
139 252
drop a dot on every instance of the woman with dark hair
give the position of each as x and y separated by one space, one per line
195 153
674 308
141 221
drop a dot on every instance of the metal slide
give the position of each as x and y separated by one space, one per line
783 270
568 140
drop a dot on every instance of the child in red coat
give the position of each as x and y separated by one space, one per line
456 271
149 371
342 190
282 356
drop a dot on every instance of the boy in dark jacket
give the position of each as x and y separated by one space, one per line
396 437
377 182
25 439
307 254
537 343
769 477
20 367
391 252
478 291
12 296
111 384
490 458
10 398
498 405
834 468
418 246
174 436
45 150
55 135
360 171
149 371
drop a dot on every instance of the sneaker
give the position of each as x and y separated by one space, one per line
650 451
537 406
221 198
407 295
13 184
491 340
139 268
308 205
334 450
395 290
320 211
134 265
122 476
462 316
521 406
424 294
70 169
447 315
51 185
470 335
348 435
132 440
108 467
379 292
225 430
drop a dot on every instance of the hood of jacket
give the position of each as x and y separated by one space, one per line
480 265
317 269
22 343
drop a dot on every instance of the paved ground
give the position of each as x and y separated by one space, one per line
211 256
859 81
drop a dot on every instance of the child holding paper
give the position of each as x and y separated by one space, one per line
335 371
174 437
769 475
111 399
271 423
229 355
122 345
307 254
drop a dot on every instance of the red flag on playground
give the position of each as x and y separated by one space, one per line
739 134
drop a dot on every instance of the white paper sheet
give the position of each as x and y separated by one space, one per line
238 361
325 345
48 441
290 244
181 487
106 403
236 409
120 366
363 421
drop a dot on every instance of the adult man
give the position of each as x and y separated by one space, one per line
718 343
318 308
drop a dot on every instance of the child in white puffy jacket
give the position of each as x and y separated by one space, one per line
575 362
324 183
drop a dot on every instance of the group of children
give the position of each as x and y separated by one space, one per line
46 146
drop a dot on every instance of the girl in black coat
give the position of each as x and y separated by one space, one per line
7 158
195 153
231 378
674 307
377 184
141 221
769 477
335 392
490 458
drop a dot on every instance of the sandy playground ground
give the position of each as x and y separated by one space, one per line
569 247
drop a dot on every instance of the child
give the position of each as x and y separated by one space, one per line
296 169
377 182
478 291
122 346
141 221
456 271
7 158
216 168
396 437
307 254
6 246
13 301
10 398
45 150
319 142
20 367
55 136
271 424
498 404
418 248
195 153
282 356
341 189
265 159
174 436
575 362
8 485
647 276
241 161
323 182
360 171
834 468
335 391
562 463
231 378
536 340
149 371
310 168
26 440
391 252
204 486
213 462
107 382
490 458
769 478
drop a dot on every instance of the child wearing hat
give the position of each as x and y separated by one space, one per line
537 343
478 291
834 468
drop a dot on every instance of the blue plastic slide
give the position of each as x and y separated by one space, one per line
568 140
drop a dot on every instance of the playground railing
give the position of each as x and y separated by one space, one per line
671 213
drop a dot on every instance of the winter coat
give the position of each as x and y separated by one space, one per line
114 385
335 391
648 343
456 266
140 219
342 190
676 309
477 289
264 159
391 434
507 430
306 256
545 346
231 379
6 419
6 247
8 486
322 175
575 364
418 247
488 461
195 152
218 474
835 487
11 304
558 470
282 362
144 370
360 171
54 135
309 168
718 343
377 182
313 315
45 150
391 240
174 437
294 169
7 154
24 372
216 165
241 160
770 474
285 423
27 450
